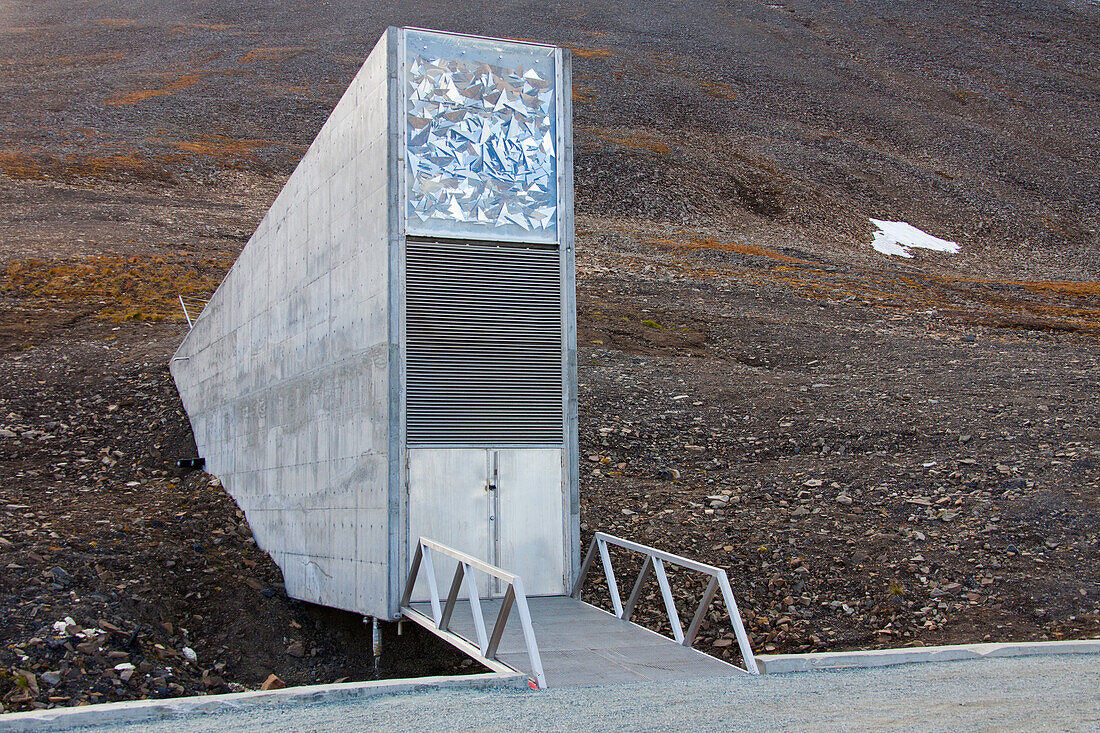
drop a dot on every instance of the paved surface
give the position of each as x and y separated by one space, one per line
581 645
1034 694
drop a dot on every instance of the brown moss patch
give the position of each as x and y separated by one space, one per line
1070 289
716 89
641 141
188 27
751 250
121 166
33 165
23 166
227 151
91 59
173 83
272 53
115 288
590 53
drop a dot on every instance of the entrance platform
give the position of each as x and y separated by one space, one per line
582 646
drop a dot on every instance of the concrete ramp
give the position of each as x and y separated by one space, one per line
582 646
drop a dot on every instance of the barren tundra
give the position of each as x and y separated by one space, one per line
881 451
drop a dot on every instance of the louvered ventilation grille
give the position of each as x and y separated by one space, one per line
483 344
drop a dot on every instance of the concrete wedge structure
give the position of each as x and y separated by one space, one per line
394 352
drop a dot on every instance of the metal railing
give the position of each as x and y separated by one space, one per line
487 643
196 304
655 562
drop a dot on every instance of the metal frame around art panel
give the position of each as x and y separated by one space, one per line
399 536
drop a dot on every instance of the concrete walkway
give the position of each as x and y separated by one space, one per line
1053 693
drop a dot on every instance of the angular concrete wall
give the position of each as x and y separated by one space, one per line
286 374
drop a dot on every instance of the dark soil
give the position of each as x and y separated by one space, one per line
882 452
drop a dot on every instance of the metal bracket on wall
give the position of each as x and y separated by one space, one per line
655 562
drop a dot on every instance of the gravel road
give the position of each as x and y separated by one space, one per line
1035 694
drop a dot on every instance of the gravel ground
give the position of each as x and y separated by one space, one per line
1034 694
883 452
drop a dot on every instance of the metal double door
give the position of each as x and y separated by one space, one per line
503 505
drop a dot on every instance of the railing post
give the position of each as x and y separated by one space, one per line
529 634
670 602
701 611
609 573
636 593
433 587
585 567
452 597
475 609
502 621
738 625
414 568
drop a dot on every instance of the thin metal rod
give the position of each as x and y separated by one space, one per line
529 634
433 587
475 609
185 315
701 612
452 597
589 557
670 603
414 568
636 593
470 560
502 621
609 573
738 625
666 556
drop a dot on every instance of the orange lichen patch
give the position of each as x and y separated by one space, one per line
1071 289
118 166
583 94
716 90
175 82
744 249
641 141
272 53
118 22
84 60
226 150
22 166
1024 306
280 89
590 53
185 27
118 288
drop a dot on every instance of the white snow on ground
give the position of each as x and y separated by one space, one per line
896 237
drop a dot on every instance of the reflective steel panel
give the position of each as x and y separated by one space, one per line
480 138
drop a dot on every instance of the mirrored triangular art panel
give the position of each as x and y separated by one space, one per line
393 355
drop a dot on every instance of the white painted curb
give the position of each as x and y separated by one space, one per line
783 663
138 710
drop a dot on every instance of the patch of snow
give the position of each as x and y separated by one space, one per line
896 237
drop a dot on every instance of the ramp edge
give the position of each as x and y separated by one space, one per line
824 661
139 710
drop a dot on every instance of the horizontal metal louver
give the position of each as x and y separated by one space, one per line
483 339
